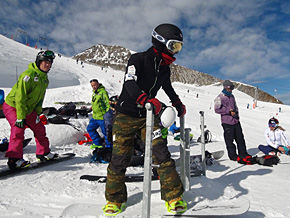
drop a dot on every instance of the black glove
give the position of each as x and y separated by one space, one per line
20 123
179 107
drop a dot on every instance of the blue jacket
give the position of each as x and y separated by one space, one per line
2 96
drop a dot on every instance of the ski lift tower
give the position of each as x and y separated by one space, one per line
41 38
20 31
256 96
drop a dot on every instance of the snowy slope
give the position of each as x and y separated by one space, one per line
47 191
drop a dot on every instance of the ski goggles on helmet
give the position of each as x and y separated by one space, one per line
49 53
171 44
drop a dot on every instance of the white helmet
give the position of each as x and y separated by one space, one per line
167 116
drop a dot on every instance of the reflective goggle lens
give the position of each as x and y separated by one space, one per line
174 46
49 53
272 125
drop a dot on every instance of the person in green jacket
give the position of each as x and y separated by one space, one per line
22 108
101 108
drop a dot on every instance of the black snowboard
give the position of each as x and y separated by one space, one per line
103 179
34 165
4 146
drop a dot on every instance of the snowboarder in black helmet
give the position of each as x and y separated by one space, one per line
146 73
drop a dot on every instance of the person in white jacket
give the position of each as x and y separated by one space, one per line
274 135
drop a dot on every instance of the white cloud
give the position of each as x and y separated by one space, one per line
223 38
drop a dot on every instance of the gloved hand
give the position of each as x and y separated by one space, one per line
179 107
20 123
144 98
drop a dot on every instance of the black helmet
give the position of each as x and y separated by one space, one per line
273 122
44 56
167 36
114 98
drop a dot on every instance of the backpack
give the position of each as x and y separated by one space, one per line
248 160
58 120
68 109
207 137
48 111
268 160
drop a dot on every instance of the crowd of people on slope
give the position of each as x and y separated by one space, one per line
125 117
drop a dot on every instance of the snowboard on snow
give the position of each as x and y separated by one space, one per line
34 165
74 102
195 208
195 169
196 162
128 178
4 146
216 155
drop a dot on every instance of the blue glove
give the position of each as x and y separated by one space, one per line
20 123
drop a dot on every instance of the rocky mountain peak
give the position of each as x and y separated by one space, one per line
116 57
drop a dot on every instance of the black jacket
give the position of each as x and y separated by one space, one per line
144 73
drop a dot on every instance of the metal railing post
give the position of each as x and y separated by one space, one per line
202 140
148 162
184 155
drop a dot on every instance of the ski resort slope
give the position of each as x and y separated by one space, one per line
45 192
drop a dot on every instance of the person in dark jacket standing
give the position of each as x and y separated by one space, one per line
146 73
225 105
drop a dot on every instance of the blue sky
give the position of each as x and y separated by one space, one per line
241 40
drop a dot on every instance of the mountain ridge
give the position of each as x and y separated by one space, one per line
116 57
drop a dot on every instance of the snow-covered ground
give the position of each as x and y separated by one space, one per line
45 192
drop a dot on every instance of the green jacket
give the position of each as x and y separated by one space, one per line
28 93
100 103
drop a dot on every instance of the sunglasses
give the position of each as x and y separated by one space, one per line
172 45
272 124
49 53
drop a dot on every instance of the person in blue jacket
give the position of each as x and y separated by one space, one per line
2 96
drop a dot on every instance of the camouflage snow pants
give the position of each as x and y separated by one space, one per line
124 129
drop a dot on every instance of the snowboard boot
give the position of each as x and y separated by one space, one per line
94 146
176 206
46 157
17 163
112 208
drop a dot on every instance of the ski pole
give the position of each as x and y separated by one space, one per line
148 162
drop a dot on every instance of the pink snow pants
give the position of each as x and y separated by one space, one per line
15 149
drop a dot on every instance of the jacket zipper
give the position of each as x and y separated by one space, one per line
156 71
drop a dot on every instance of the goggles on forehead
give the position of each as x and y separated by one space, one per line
49 53
172 44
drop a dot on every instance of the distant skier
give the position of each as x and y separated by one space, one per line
225 105
274 135
146 73
22 107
